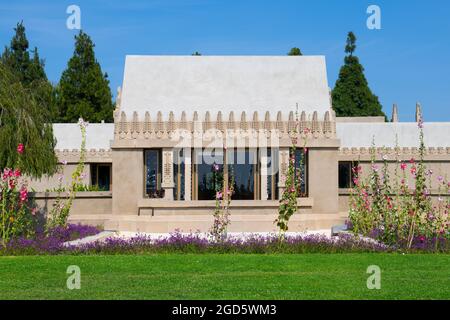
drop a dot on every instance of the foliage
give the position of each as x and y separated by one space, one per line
295 52
28 68
16 216
61 207
83 91
221 215
24 120
196 53
292 184
81 187
351 95
197 243
390 212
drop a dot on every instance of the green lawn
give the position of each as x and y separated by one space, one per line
177 276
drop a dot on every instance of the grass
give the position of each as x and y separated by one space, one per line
208 276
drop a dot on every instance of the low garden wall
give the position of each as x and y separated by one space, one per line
92 208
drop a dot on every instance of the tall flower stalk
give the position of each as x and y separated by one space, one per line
59 214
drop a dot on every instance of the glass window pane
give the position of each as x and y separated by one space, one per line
153 173
209 173
104 177
300 172
241 172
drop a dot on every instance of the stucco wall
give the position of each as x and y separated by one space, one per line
93 208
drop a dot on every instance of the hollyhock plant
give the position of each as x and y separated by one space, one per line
16 218
396 215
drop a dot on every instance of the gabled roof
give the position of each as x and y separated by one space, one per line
224 83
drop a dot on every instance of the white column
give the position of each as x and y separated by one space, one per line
187 174
167 178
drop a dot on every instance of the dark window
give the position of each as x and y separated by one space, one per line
208 174
101 176
346 174
153 168
272 173
242 167
301 172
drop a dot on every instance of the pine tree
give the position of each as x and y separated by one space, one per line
29 69
295 52
83 90
351 95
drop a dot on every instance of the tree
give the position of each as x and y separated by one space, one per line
83 90
196 53
351 95
24 120
29 69
295 52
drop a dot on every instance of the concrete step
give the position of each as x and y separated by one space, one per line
202 223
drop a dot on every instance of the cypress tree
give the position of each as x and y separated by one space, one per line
295 52
351 95
83 90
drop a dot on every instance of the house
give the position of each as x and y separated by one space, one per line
183 122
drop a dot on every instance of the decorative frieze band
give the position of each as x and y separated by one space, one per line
393 151
92 155
159 128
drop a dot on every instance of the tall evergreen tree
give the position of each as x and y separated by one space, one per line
29 69
83 90
295 52
351 95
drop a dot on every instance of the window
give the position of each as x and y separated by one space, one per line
207 173
346 174
242 172
178 173
101 176
153 169
301 172
272 173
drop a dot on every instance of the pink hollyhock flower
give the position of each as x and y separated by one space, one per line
305 150
23 194
20 148
375 167
34 211
355 181
440 178
412 161
12 184
219 195
216 167
64 162
17 173
403 166
413 170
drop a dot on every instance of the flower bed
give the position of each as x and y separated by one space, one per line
50 243
195 243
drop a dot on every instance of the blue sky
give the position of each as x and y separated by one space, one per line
408 60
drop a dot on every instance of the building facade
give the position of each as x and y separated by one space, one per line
181 122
